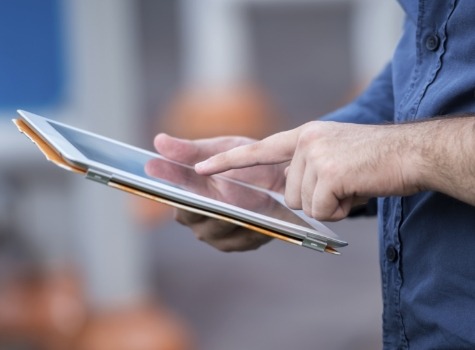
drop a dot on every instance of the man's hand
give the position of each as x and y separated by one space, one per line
333 165
220 234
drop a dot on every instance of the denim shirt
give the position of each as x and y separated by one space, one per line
427 241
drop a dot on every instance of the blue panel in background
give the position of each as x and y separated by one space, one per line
31 54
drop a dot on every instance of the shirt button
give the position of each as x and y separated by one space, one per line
391 253
432 42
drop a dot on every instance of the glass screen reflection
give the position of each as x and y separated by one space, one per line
173 174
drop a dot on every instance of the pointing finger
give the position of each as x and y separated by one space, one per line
274 149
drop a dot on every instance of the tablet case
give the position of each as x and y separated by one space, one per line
54 157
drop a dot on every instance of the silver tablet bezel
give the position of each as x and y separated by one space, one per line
72 155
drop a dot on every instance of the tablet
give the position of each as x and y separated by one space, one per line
125 167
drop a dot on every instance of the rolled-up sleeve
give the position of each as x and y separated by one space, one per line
374 106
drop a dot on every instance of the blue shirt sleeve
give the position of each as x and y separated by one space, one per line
374 106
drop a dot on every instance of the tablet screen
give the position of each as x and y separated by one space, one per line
143 164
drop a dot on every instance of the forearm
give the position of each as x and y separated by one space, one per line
440 156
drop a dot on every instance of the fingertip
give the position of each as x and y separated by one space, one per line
148 168
198 167
202 168
160 139
175 148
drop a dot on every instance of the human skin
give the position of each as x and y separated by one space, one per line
219 234
332 167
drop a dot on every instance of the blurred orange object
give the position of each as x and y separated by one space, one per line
49 312
242 110
237 110
141 327
45 310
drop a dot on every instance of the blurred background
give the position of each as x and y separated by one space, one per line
86 267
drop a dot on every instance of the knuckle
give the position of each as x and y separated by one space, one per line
254 240
213 231
228 248
246 241
180 217
329 171
253 147
219 158
187 218
309 133
240 141
224 246
199 236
